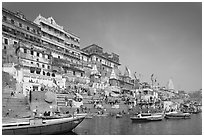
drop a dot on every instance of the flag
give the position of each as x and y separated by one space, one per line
152 77
135 76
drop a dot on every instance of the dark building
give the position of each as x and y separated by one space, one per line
105 62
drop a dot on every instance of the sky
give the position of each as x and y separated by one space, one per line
164 39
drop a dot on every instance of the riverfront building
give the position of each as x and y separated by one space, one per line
105 62
43 53
65 49
102 64
23 52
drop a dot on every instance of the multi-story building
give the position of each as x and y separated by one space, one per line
21 44
105 62
64 47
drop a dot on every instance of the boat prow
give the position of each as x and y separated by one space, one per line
40 126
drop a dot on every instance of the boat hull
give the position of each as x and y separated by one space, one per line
50 127
177 116
147 118
118 116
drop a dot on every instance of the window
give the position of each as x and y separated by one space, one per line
33 30
48 56
53 74
43 73
4 47
43 65
31 52
12 21
25 50
48 74
38 54
20 25
4 18
6 41
31 62
74 73
32 70
38 64
15 42
59 57
81 74
38 72
48 67
28 28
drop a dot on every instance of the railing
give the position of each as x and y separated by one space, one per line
54 34
34 58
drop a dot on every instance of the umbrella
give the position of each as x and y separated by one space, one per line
49 97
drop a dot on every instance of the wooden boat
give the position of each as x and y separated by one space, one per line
140 118
146 114
177 115
119 115
39 126
102 115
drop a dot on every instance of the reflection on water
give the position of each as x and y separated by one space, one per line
124 126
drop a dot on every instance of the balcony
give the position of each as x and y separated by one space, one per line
34 58
25 63
52 33
19 33
54 42
61 62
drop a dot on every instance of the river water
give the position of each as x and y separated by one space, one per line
124 126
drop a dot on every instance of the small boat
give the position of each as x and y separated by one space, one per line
140 118
146 114
119 116
177 115
38 126
102 115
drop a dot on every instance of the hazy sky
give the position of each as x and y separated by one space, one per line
160 38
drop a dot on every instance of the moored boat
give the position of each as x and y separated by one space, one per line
140 118
39 126
177 115
119 116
